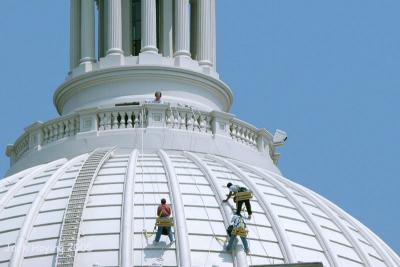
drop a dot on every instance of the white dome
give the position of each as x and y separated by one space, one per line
39 208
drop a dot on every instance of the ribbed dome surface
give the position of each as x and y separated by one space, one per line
120 190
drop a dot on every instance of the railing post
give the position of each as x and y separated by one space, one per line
35 132
88 120
220 123
265 145
156 115
10 152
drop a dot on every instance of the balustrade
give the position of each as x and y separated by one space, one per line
132 117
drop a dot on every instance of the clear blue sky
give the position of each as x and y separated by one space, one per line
327 72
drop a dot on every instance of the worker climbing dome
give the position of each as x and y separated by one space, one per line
145 118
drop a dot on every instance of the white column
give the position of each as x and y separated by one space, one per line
167 21
213 35
149 26
114 27
75 33
87 32
127 27
182 28
204 34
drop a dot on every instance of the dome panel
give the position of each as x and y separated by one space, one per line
286 217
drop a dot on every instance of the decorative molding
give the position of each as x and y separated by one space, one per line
181 233
126 238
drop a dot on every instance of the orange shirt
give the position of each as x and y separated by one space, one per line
164 210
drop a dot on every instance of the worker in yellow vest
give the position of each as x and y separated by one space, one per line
237 227
233 190
164 213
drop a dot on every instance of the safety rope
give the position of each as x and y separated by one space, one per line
220 240
141 165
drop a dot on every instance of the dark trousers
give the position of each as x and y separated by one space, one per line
240 204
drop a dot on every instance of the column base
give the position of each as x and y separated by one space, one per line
150 58
149 49
185 61
112 60
84 67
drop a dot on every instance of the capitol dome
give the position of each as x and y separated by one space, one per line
83 189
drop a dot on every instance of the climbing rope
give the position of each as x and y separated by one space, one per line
220 240
141 165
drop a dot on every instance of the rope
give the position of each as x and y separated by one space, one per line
141 165
220 240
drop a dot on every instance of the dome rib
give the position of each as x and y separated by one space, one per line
323 207
181 233
18 255
392 254
11 192
311 222
377 246
17 176
240 256
126 241
281 236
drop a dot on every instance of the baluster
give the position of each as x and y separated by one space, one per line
114 120
77 125
55 132
124 120
190 121
182 120
243 135
136 119
176 120
61 130
254 139
238 133
45 135
129 122
208 124
169 119
196 125
202 124
101 121
108 121
67 130
72 127
51 136
233 129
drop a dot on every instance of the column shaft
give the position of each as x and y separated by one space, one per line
213 35
87 31
127 27
204 33
114 27
149 26
166 24
75 33
182 28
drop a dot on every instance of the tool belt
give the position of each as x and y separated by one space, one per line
242 196
239 231
165 221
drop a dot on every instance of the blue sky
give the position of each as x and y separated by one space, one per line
327 72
